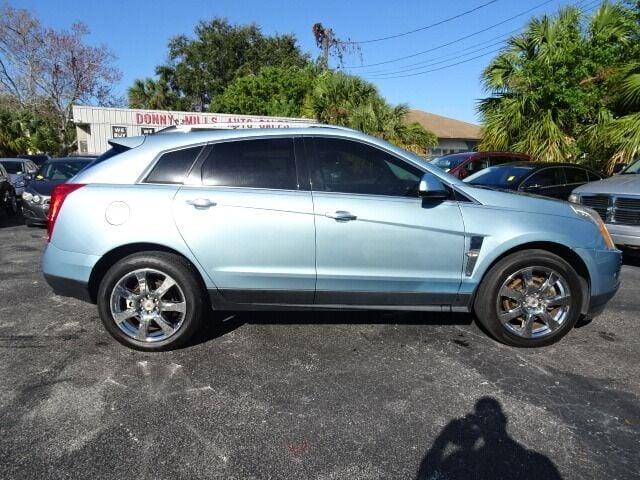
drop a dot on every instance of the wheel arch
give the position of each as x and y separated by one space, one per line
111 257
558 249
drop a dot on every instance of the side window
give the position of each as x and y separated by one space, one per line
499 160
172 167
549 177
477 165
352 167
576 175
261 163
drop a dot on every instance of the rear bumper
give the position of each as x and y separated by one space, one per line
67 287
68 273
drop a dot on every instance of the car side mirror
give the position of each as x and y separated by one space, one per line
431 187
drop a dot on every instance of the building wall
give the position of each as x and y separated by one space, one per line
452 145
95 125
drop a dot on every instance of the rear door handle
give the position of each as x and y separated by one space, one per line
201 203
341 216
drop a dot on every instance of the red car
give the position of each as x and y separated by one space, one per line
463 164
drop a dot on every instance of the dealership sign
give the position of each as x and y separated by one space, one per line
165 119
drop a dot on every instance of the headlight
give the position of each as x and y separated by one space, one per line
574 198
595 218
27 196
36 199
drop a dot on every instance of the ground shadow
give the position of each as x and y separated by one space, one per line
219 323
477 446
631 257
11 220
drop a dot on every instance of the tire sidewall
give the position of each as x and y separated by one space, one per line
173 266
487 296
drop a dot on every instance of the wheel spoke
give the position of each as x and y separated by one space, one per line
527 277
124 292
166 327
511 293
549 321
551 280
527 326
142 281
510 314
120 317
559 301
173 307
143 328
166 285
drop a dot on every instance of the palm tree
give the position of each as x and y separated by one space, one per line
149 93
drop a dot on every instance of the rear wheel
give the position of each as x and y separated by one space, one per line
530 298
151 301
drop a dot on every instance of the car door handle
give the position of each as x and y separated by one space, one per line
341 216
201 203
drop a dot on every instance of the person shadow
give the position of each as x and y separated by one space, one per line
477 446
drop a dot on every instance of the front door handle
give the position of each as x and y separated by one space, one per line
201 203
341 216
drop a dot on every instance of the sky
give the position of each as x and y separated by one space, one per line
138 31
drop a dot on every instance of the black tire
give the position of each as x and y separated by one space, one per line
486 302
10 203
185 277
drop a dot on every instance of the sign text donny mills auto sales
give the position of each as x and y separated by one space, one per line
234 121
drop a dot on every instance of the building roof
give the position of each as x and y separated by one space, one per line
445 127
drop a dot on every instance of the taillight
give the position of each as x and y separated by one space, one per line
58 196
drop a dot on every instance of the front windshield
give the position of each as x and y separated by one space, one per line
448 162
13 167
503 176
60 170
633 168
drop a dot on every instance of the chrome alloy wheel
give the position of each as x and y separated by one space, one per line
148 305
534 302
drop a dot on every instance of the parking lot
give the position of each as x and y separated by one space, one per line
309 395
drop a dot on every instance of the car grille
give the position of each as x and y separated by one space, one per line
618 210
600 203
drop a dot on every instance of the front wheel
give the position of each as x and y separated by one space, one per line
151 301
530 298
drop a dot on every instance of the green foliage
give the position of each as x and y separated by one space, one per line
23 131
563 87
201 68
274 91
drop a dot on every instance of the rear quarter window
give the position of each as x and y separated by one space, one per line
172 167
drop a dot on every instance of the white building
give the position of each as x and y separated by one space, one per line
95 125
453 135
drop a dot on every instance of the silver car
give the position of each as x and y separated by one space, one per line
20 171
165 227
617 201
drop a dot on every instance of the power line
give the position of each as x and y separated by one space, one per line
454 41
392 74
398 35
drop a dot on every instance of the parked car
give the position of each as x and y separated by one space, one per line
555 180
164 227
617 201
8 199
38 159
20 171
461 165
37 194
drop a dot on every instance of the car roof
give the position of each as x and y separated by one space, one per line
65 159
14 160
539 165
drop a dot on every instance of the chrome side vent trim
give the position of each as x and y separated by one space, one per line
475 244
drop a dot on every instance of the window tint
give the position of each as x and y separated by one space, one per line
499 160
352 167
173 166
476 165
576 175
268 163
548 177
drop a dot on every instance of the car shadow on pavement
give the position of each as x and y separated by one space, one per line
631 258
219 323
478 446
11 221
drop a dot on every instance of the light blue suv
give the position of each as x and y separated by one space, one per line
162 228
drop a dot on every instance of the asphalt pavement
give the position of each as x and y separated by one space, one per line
309 395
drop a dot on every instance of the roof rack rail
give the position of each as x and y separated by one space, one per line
243 126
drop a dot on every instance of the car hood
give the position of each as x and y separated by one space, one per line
43 187
519 201
617 184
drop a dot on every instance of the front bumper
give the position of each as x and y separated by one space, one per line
604 271
624 235
35 212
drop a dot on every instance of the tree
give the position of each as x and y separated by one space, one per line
274 91
44 68
556 89
350 101
152 94
330 45
201 68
